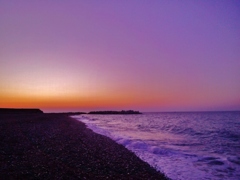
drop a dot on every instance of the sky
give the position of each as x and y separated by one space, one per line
113 55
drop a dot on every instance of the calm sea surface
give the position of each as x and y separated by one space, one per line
197 145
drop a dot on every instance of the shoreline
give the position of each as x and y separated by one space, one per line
56 146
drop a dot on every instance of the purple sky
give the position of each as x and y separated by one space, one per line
144 55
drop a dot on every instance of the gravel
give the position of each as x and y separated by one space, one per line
55 146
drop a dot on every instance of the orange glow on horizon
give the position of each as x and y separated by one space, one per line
69 101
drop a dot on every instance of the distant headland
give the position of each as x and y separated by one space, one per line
115 112
20 111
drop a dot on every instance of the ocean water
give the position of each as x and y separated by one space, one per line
196 145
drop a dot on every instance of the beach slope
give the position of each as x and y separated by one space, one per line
56 146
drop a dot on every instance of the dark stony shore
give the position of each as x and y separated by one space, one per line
55 146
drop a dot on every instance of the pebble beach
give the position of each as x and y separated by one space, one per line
56 146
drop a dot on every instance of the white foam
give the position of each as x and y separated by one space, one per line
174 163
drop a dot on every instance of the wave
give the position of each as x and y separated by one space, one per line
181 148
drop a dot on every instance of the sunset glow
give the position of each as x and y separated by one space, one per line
92 55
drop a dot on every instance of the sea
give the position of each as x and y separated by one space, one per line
182 145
